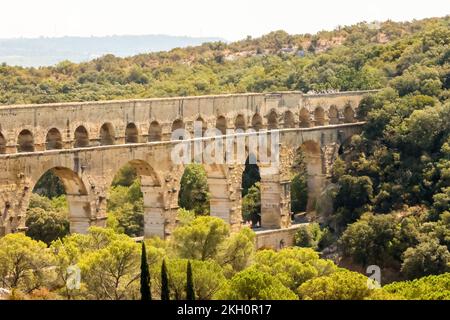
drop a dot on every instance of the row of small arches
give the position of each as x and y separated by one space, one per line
25 140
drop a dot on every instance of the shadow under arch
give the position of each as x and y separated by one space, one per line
25 141
240 123
319 116
304 118
53 140
107 134
221 124
272 120
333 114
81 137
257 122
131 133
288 119
349 114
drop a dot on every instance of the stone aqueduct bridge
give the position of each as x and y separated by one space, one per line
86 144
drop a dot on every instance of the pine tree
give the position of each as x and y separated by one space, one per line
190 294
146 293
165 293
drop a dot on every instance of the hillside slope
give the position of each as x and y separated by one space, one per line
363 56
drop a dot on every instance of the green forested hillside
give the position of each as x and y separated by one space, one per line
363 56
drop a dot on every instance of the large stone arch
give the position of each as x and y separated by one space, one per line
80 213
107 134
25 141
155 207
53 140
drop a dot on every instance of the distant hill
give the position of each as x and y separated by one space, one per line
359 57
33 52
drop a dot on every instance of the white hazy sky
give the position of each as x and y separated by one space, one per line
229 19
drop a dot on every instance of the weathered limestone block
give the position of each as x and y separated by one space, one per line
224 183
275 199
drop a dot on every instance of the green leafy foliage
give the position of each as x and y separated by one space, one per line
341 285
313 236
46 219
201 238
251 204
427 288
194 193
253 284
23 262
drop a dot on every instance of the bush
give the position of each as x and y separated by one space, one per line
312 236
427 258
46 226
341 285
427 288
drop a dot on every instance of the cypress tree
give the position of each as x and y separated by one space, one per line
165 293
146 293
190 294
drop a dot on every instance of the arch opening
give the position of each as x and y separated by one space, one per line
130 193
298 186
178 125
155 132
57 206
304 118
25 141
333 115
272 120
131 133
81 138
53 140
289 120
251 194
239 123
257 122
349 115
107 135
319 116
221 124
203 124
